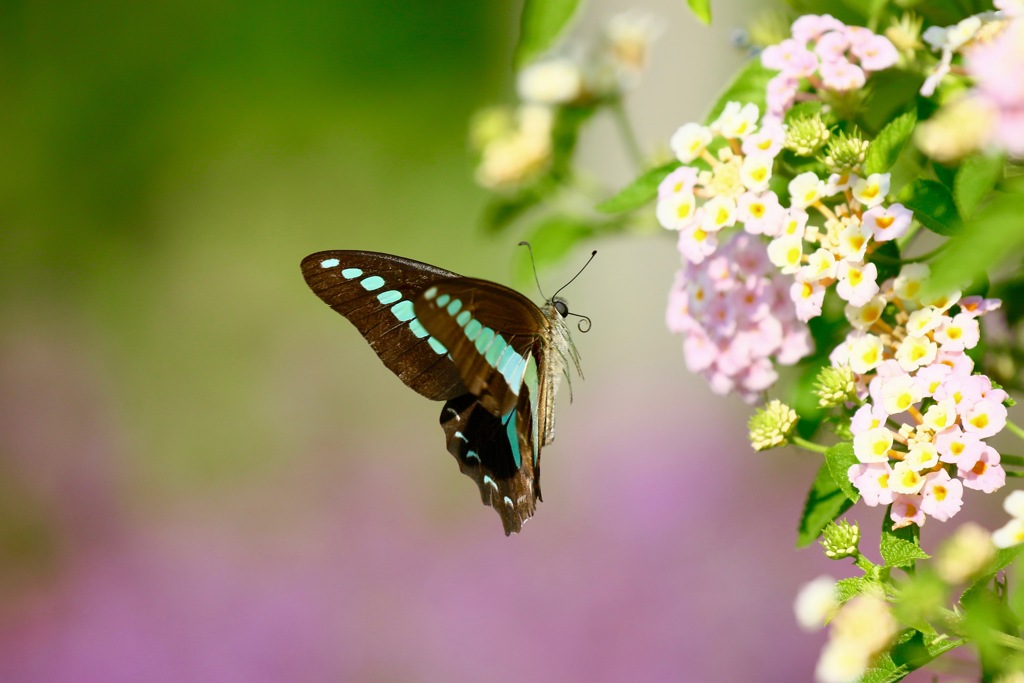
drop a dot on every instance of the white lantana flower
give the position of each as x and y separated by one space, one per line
552 81
816 603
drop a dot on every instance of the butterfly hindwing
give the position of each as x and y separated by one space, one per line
375 292
497 453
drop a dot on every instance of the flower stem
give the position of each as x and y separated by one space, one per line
1009 641
628 134
1016 429
807 445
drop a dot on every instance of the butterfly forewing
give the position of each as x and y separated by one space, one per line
490 332
375 292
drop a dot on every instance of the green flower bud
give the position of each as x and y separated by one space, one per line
840 539
771 426
806 135
834 386
845 153
905 34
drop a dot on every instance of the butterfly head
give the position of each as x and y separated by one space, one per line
562 306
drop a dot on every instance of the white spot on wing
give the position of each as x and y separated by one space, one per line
329 263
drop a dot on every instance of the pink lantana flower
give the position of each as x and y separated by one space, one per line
987 474
887 222
872 480
942 496
958 448
906 510
984 418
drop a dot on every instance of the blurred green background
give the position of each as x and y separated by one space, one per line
202 475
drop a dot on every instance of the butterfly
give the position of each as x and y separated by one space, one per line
493 356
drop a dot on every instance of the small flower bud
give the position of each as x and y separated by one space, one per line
905 33
845 153
771 426
806 135
834 385
840 539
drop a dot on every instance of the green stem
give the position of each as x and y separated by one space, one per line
1015 429
628 134
927 256
1009 641
866 565
902 242
808 445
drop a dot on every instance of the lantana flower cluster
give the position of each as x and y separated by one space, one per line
827 54
735 314
733 192
824 232
920 437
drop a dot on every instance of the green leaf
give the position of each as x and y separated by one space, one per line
839 458
851 587
749 85
825 501
638 192
1001 561
994 235
501 211
932 204
900 547
899 553
540 25
701 9
977 177
887 145
912 651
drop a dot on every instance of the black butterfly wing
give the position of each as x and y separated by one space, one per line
490 450
375 292
490 331
472 343
495 336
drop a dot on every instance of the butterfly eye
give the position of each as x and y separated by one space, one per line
561 307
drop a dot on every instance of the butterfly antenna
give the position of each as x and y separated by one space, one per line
533 264
592 255
584 324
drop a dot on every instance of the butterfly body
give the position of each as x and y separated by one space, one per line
493 356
